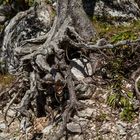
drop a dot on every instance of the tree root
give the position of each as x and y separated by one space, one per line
136 78
48 83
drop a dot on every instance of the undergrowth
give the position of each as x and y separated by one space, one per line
121 65
115 33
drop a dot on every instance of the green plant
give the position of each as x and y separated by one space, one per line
116 33
127 113
123 101
124 36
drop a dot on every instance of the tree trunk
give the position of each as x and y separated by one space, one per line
73 11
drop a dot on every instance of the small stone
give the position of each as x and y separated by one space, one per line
73 127
11 113
3 136
77 137
121 126
105 131
2 19
47 129
48 77
83 123
86 113
2 125
88 80
81 68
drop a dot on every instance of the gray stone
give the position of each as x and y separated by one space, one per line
2 125
11 113
3 136
73 127
47 129
77 137
87 113
81 68
122 126
2 19
125 10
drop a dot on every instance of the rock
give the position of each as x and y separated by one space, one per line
47 129
88 80
136 127
2 19
77 137
105 131
87 113
85 91
4 136
89 102
81 68
135 137
11 113
122 126
48 77
106 128
73 127
124 10
55 5
2 125
135 104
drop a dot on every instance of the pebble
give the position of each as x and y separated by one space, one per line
47 129
86 113
73 127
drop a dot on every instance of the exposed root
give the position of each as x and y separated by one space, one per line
136 78
47 82
72 105
9 104
136 87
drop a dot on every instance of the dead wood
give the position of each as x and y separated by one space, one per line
44 60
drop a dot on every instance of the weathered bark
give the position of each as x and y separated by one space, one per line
29 24
45 62
73 11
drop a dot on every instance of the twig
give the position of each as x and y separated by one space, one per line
12 100
136 87
100 45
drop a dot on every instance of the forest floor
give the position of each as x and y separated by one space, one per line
96 121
